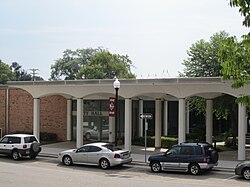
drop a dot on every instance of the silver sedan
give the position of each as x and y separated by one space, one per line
104 155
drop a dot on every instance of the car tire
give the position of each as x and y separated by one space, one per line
87 136
15 155
155 167
194 169
246 173
67 160
33 156
35 147
104 163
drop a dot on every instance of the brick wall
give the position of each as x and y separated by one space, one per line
20 111
53 116
2 110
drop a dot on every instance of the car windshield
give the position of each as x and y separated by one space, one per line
112 147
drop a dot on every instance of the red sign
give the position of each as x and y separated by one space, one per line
112 106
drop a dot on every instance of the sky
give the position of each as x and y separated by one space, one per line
155 34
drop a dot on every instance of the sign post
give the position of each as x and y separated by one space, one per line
145 117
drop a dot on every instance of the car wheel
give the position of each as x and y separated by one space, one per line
15 155
104 163
87 136
246 173
155 167
67 160
35 147
33 156
194 169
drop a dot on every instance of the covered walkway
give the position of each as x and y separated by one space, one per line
159 90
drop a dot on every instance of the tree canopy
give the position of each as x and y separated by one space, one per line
244 9
14 72
5 72
202 58
234 55
91 63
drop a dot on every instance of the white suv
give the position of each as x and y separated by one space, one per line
18 145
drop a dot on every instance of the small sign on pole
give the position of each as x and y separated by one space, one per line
146 116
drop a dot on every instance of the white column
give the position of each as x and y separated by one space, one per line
140 120
79 123
111 129
241 132
36 118
157 123
181 127
209 121
69 129
128 123
165 122
187 118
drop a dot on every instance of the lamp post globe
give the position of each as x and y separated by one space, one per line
116 85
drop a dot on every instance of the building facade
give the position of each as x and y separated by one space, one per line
67 107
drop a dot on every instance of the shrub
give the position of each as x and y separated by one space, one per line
48 137
166 142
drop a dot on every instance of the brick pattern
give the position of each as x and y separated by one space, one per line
2 110
53 113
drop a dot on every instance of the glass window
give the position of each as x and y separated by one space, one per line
94 149
111 147
83 149
14 140
198 150
174 151
187 150
5 140
30 139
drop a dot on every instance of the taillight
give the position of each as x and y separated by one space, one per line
206 159
117 156
24 146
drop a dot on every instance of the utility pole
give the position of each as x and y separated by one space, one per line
33 73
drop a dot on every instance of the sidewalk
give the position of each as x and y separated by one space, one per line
227 159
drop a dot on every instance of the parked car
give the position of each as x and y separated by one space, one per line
19 145
243 169
94 133
104 155
185 157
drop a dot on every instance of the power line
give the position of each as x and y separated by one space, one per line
34 73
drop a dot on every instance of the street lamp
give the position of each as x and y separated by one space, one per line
116 85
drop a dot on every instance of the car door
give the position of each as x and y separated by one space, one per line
80 155
4 147
171 159
94 154
186 156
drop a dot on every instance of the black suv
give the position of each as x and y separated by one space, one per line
186 157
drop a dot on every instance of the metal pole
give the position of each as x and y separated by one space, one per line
146 128
116 114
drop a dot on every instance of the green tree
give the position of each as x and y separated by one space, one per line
91 63
103 65
5 72
234 55
244 9
19 74
202 60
